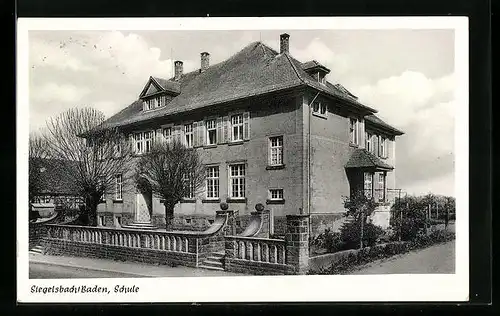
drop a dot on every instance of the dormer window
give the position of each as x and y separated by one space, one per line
154 102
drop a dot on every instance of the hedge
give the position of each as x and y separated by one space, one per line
348 260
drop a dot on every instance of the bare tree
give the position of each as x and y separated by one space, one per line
171 171
38 151
88 154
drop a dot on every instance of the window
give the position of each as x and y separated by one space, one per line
353 131
189 187
382 147
315 107
102 222
139 145
368 141
381 187
237 127
276 194
237 181
148 139
211 132
322 108
118 187
117 150
213 182
153 103
276 150
188 133
368 185
143 142
167 134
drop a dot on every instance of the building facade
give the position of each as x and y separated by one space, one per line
270 129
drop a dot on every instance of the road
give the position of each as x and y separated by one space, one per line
435 259
48 271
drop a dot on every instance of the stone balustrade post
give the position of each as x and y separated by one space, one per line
297 242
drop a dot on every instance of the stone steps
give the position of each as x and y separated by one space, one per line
37 249
139 225
214 261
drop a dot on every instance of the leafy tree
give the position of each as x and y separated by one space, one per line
359 232
409 216
171 171
88 154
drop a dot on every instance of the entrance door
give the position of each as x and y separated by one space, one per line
144 203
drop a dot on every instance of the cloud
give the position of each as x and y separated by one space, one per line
57 55
424 108
53 92
339 64
131 55
399 98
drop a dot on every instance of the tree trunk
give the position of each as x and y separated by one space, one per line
169 216
90 216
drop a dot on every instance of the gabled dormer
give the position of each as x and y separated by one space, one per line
158 92
316 70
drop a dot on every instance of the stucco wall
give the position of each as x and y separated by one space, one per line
275 116
330 151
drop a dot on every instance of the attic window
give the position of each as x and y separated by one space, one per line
154 102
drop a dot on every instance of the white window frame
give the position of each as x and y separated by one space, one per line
188 135
142 143
211 126
383 147
316 107
236 126
276 149
354 135
191 195
237 179
382 182
213 182
119 187
167 133
276 194
369 141
368 176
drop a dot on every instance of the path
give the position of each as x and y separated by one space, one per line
435 259
52 267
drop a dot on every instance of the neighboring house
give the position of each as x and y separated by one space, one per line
54 188
270 130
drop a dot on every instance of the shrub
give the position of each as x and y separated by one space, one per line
328 240
350 234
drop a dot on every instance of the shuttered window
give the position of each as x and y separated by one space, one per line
211 127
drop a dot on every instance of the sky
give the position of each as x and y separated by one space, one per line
407 75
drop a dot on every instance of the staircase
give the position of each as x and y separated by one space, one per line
38 249
214 261
140 225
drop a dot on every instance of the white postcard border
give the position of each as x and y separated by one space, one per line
452 287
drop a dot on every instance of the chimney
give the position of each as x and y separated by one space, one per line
205 61
284 43
178 69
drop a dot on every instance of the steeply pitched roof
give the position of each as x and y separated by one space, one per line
362 158
52 180
255 70
375 120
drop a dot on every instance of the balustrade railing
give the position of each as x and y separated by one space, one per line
256 249
166 241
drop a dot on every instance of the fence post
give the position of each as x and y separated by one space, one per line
297 242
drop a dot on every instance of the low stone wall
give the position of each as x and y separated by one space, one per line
257 268
351 256
82 249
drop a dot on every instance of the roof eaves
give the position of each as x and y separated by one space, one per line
197 106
